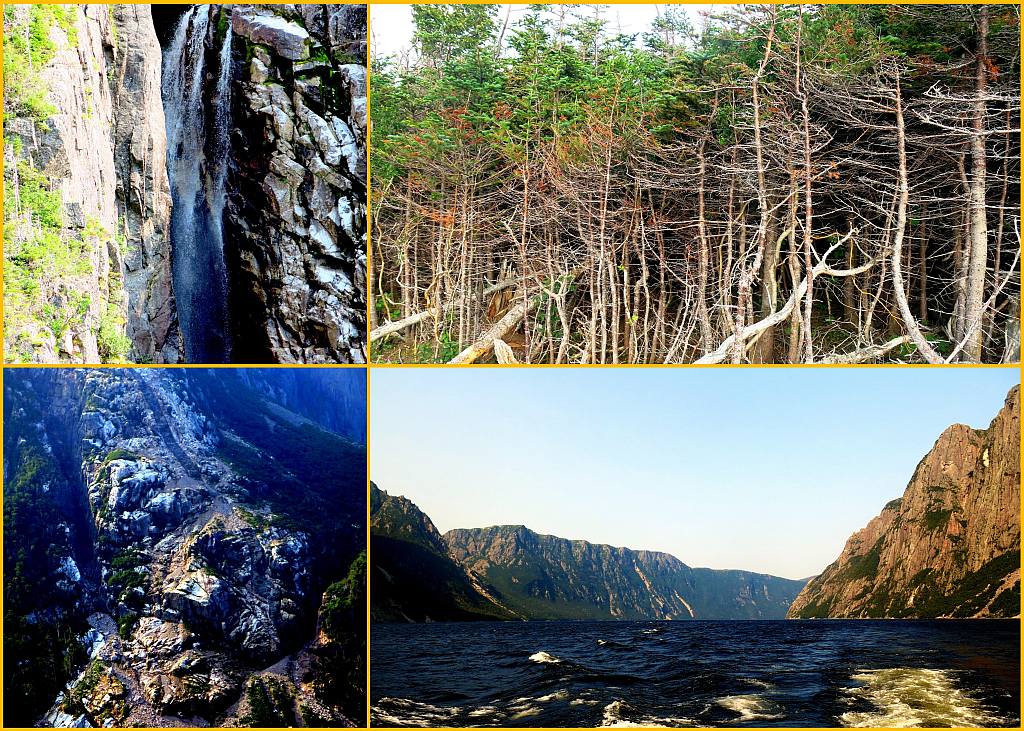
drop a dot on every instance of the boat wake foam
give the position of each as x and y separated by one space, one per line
619 714
905 697
751 707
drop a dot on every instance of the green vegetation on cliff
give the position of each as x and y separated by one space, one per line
47 258
339 676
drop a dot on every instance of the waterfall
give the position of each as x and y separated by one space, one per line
197 164
222 127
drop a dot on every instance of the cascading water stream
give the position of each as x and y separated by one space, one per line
198 181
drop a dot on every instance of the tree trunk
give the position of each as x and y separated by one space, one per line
974 332
923 346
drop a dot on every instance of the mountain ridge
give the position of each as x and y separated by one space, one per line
482 563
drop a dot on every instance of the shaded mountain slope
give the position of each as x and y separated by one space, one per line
176 545
414 576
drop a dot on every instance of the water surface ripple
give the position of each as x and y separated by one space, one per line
888 673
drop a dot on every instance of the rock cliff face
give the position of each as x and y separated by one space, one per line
204 523
143 194
546 577
278 161
950 547
296 214
415 579
85 164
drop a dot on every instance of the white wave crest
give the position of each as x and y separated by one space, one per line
619 714
404 712
544 657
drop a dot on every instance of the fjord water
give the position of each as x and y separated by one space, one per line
871 673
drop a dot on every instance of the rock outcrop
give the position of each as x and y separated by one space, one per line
949 547
296 215
88 127
200 539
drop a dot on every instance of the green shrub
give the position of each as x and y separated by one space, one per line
111 340
126 624
934 519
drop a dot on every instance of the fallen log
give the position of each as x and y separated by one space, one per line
503 353
725 347
406 322
867 353
399 325
485 343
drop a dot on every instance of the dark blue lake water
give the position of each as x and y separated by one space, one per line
785 673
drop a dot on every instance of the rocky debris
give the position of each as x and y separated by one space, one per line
97 698
296 212
949 546
242 584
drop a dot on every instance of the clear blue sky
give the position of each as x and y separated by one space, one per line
763 469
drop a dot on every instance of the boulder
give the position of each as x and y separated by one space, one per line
288 39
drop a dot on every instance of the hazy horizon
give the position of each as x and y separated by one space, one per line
562 451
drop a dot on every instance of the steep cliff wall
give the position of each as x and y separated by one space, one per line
143 194
949 547
296 218
415 579
182 534
86 261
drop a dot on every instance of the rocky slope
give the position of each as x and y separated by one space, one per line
197 534
415 578
546 577
89 258
949 547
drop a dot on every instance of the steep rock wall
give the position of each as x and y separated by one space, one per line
415 578
143 194
296 220
85 129
950 546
